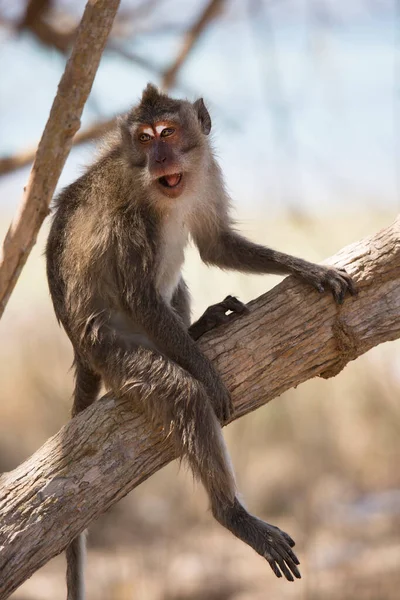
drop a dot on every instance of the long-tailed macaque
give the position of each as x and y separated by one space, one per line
114 259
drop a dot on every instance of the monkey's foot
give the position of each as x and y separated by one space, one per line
222 404
216 315
267 540
329 278
279 554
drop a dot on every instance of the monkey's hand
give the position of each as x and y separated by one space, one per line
216 315
325 278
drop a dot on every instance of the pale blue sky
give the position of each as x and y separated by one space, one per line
305 113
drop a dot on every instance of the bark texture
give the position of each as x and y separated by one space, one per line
291 334
54 147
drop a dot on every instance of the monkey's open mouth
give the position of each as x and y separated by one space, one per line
170 181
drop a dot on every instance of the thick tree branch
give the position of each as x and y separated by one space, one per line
291 334
54 147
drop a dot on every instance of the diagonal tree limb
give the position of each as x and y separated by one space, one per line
54 147
291 334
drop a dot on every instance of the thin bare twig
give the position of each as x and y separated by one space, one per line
34 20
212 10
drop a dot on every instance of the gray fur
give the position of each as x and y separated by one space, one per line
114 258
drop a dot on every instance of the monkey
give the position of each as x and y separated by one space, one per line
114 257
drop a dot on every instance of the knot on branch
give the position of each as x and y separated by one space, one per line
347 344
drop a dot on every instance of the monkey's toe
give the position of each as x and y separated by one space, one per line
234 304
223 406
280 556
286 536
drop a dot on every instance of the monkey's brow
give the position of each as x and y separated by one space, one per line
156 118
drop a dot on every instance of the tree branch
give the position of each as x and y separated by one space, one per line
192 36
8 164
54 147
168 78
34 20
291 334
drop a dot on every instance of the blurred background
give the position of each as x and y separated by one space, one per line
304 97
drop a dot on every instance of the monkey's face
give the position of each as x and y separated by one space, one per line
167 141
162 144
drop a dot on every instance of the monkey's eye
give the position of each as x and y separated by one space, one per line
144 137
167 131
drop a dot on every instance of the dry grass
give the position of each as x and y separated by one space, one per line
322 461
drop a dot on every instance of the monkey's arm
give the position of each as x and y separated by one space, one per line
229 250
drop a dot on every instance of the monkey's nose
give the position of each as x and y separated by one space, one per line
161 160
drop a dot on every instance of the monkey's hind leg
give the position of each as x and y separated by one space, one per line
173 398
87 387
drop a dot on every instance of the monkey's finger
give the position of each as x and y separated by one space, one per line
338 291
339 296
343 279
353 289
272 564
351 286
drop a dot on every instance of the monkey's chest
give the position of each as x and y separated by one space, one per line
170 259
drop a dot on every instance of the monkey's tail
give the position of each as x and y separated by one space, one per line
76 553
87 385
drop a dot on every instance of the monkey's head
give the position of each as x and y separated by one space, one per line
166 139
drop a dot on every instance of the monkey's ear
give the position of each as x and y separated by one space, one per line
203 115
123 126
